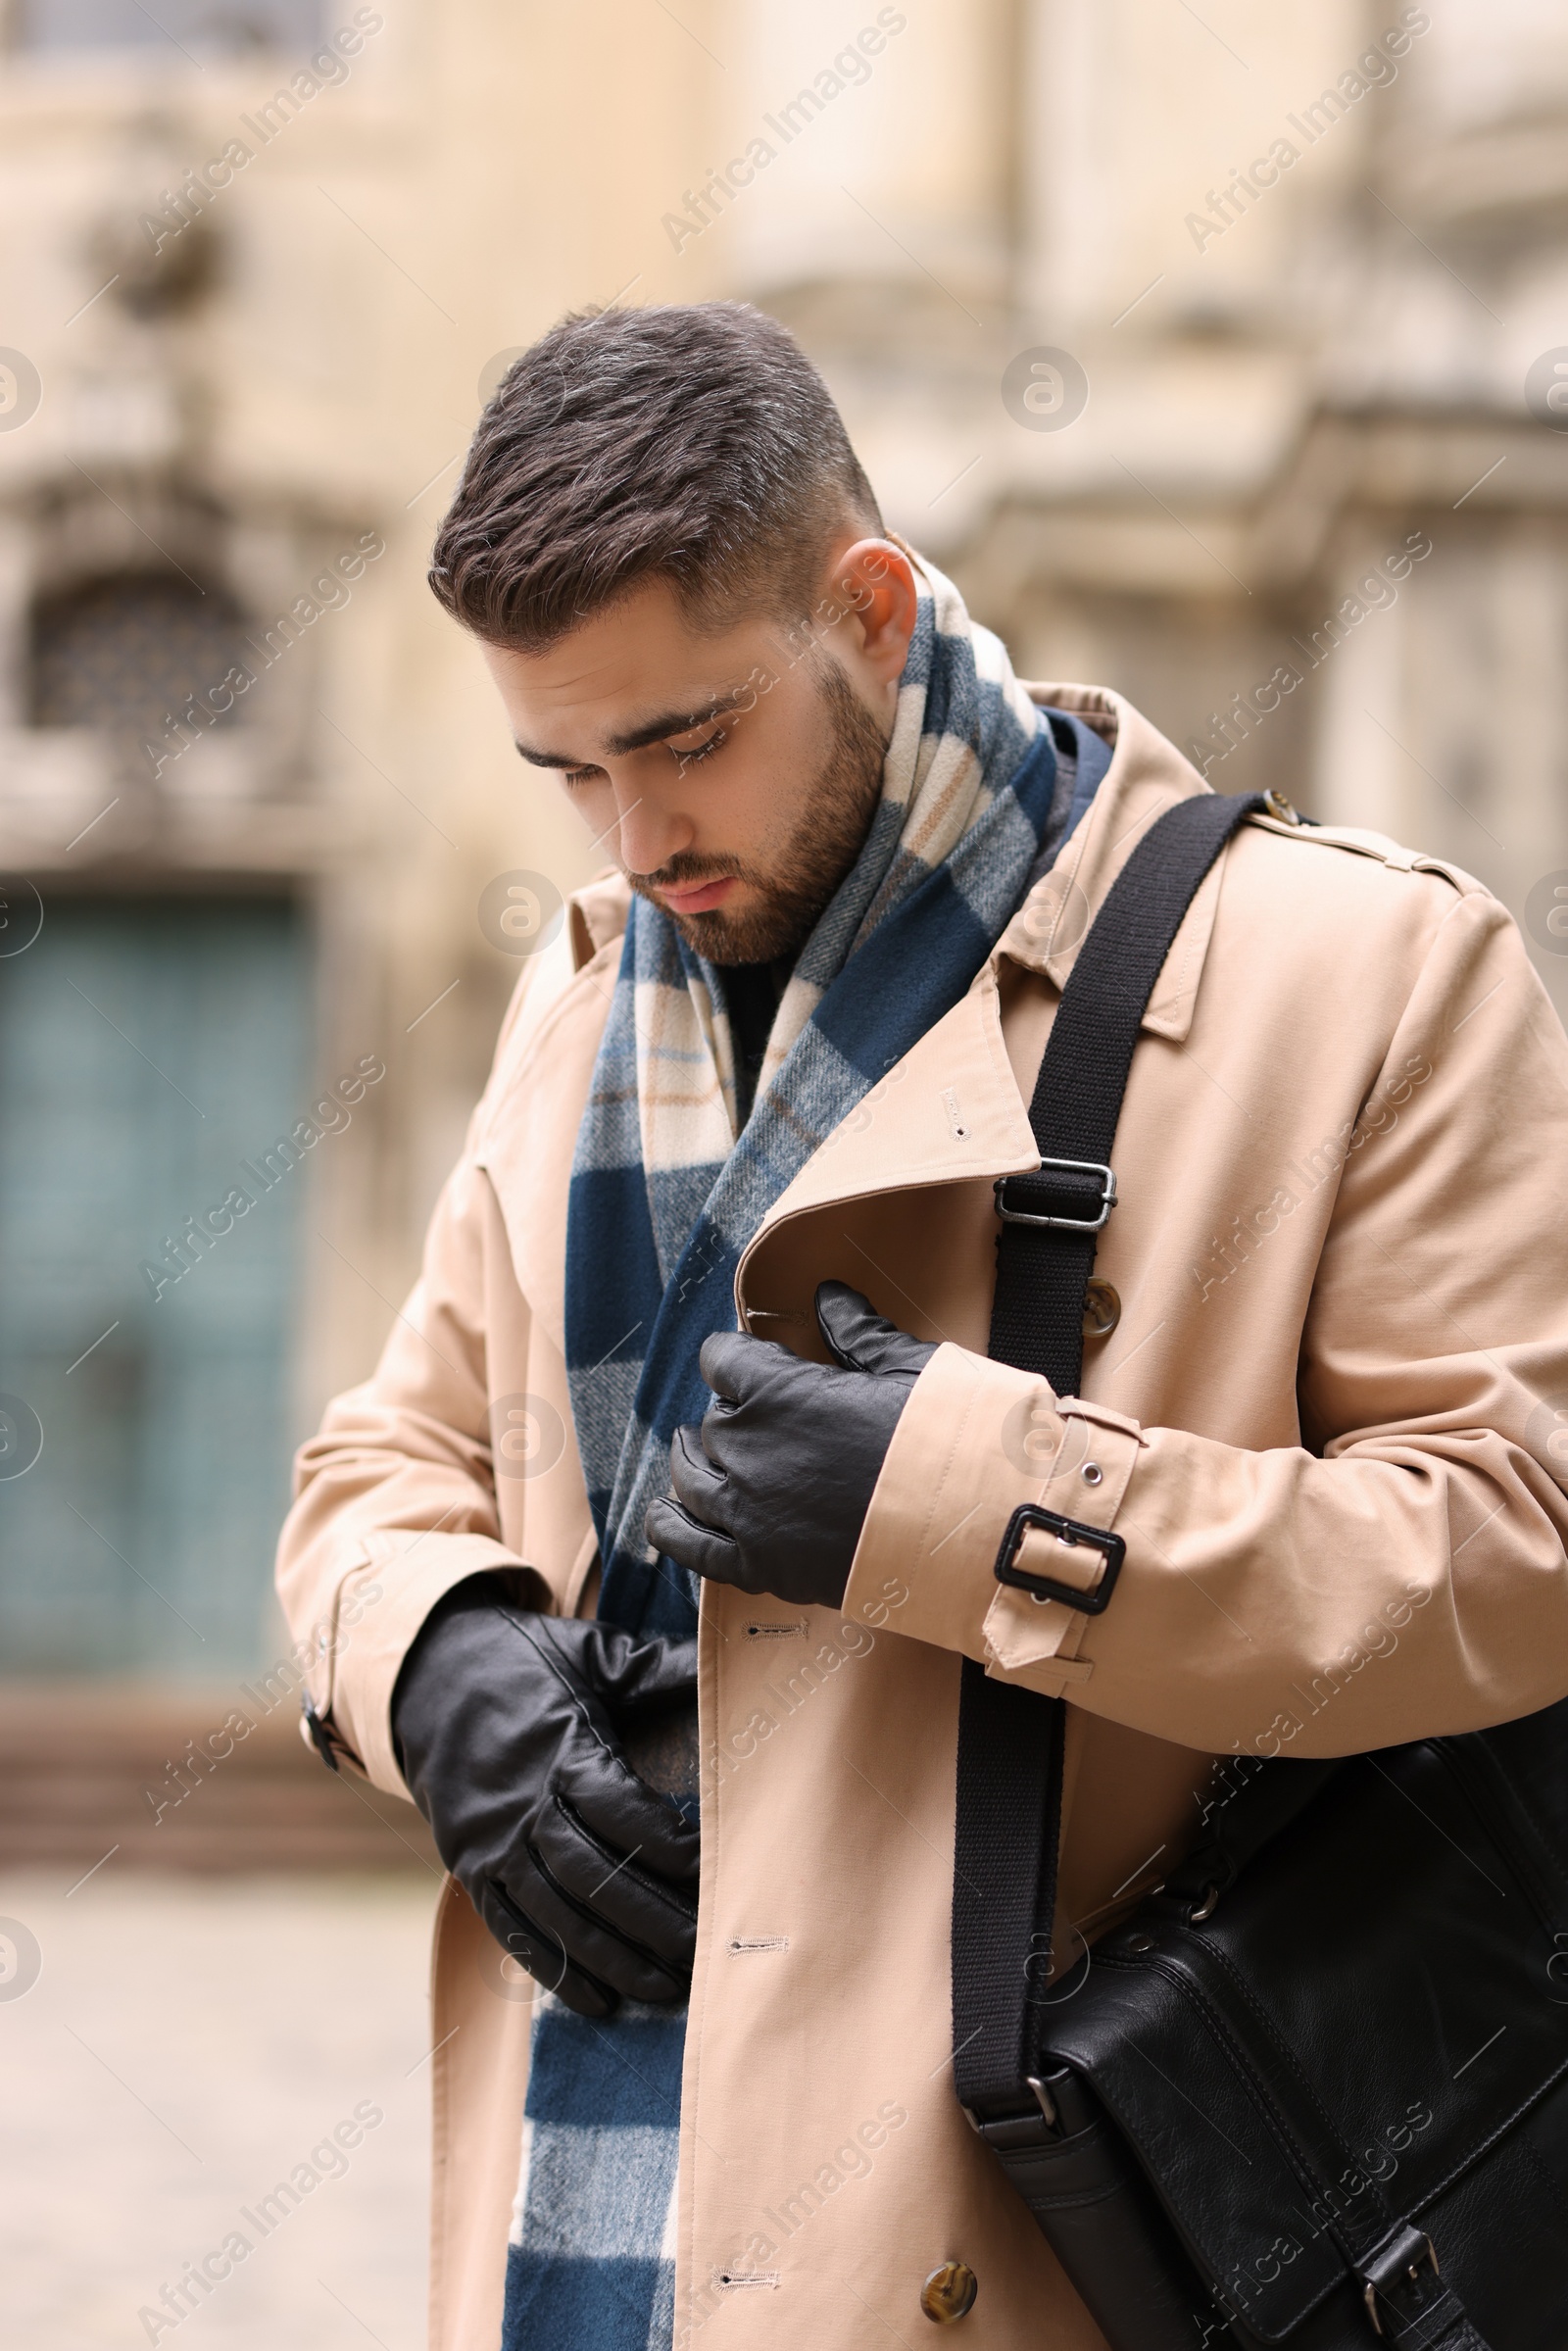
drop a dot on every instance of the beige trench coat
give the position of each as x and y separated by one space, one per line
1327 1425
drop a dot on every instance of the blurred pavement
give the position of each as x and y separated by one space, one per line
186 2045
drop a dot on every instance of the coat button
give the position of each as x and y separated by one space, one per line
1101 1309
947 2294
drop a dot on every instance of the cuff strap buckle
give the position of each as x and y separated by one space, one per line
317 1732
1070 1531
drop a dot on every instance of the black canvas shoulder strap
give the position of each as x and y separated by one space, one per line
1010 1739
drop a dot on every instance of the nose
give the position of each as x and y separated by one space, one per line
649 834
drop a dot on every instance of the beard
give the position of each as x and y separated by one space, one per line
829 831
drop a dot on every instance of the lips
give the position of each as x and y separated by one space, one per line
699 896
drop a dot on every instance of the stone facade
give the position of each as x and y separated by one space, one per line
1196 346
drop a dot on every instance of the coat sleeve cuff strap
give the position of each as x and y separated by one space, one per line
977 1441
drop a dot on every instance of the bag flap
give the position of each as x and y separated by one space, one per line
1380 1998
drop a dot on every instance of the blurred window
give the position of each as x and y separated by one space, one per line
121 655
221 27
147 1048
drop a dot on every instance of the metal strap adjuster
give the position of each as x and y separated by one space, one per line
1038 2126
1395 2266
1070 1531
1066 1224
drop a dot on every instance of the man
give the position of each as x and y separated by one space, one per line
704 1309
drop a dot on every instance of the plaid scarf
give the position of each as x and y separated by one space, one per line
977 792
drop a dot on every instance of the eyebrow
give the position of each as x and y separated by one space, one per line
652 730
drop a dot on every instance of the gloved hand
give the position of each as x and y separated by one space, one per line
772 1490
506 1728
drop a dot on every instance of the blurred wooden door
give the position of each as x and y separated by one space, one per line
147 1045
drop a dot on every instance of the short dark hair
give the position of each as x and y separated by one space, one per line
696 444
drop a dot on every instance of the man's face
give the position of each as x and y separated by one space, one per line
731 776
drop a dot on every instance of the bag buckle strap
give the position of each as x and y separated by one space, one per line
1038 2126
1071 1531
1394 2271
1009 1214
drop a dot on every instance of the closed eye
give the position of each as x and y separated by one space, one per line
578 776
700 751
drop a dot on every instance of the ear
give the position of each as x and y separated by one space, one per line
870 582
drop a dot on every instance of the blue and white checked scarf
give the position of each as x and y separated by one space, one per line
664 1195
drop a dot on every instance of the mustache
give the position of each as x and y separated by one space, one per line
686 867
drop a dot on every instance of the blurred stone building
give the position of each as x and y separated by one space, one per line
1222 355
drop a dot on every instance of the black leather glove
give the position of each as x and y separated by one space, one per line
772 1490
506 1725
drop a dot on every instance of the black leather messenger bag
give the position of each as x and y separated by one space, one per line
1314 2091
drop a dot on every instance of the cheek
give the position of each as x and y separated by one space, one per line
744 810
761 784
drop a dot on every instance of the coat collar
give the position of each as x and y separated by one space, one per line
597 913
1146 776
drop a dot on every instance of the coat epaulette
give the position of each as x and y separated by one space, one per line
1361 843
